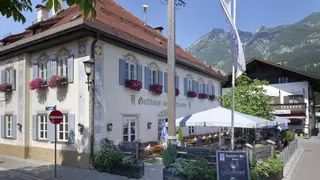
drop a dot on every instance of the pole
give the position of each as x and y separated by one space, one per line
233 83
55 151
171 72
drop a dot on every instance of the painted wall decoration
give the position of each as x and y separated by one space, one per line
98 111
82 49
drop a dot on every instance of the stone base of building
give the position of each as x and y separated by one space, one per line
67 158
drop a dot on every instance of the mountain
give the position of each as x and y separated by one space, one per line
296 45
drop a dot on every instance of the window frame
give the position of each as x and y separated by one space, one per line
201 89
42 68
64 123
189 84
62 66
209 89
8 75
152 78
8 120
39 129
128 72
191 130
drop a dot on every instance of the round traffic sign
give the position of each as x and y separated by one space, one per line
56 117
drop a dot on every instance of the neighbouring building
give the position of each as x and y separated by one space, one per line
43 66
292 92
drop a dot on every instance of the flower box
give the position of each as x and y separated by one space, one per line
203 96
128 170
37 84
133 84
156 89
192 94
58 81
5 87
212 97
177 92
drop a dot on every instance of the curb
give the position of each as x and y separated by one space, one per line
294 164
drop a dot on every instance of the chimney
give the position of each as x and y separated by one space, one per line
54 12
159 29
43 13
145 7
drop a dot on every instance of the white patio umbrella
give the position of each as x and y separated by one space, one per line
221 117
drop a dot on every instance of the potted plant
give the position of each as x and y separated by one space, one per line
192 94
156 89
5 87
37 83
133 84
212 97
267 169
56 81
110 159
203 96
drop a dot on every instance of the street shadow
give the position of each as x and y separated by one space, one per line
81 157
42 95
62 92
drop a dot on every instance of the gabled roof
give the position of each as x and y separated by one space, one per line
113 19
312 79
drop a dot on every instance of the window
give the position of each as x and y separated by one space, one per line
8 121
293 99
153 77
63 131
201 84
189 85
209 89
283 80
62 66
130 71
8 75
42 70
191 129
42 127
129 132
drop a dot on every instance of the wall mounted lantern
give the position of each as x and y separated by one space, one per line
149 125
88 65
19 126
109 127
80 128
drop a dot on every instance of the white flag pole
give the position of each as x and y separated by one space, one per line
233 82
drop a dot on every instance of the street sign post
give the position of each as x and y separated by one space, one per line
55 117
233 165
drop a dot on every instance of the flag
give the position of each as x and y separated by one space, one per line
240 59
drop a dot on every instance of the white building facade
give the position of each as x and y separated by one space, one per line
45 69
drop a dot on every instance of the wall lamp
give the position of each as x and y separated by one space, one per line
81 128
88 65
149 125
109 127
19 126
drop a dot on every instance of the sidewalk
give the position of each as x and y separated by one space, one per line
37 170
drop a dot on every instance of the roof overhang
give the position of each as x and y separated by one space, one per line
81 28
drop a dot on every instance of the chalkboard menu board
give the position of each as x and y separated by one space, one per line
232 165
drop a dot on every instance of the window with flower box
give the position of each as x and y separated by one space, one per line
8 75
130 73
42 70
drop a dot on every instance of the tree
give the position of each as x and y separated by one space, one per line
14 8
250 97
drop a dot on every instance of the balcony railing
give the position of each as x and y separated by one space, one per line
289 109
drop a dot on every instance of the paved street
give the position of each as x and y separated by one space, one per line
308 166
21 169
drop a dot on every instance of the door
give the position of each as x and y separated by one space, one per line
129 132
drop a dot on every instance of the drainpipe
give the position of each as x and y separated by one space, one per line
92 95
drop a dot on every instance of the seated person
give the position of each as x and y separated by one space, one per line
199 141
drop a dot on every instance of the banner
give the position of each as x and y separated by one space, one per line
240 59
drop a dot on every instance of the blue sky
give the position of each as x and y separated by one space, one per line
200 16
